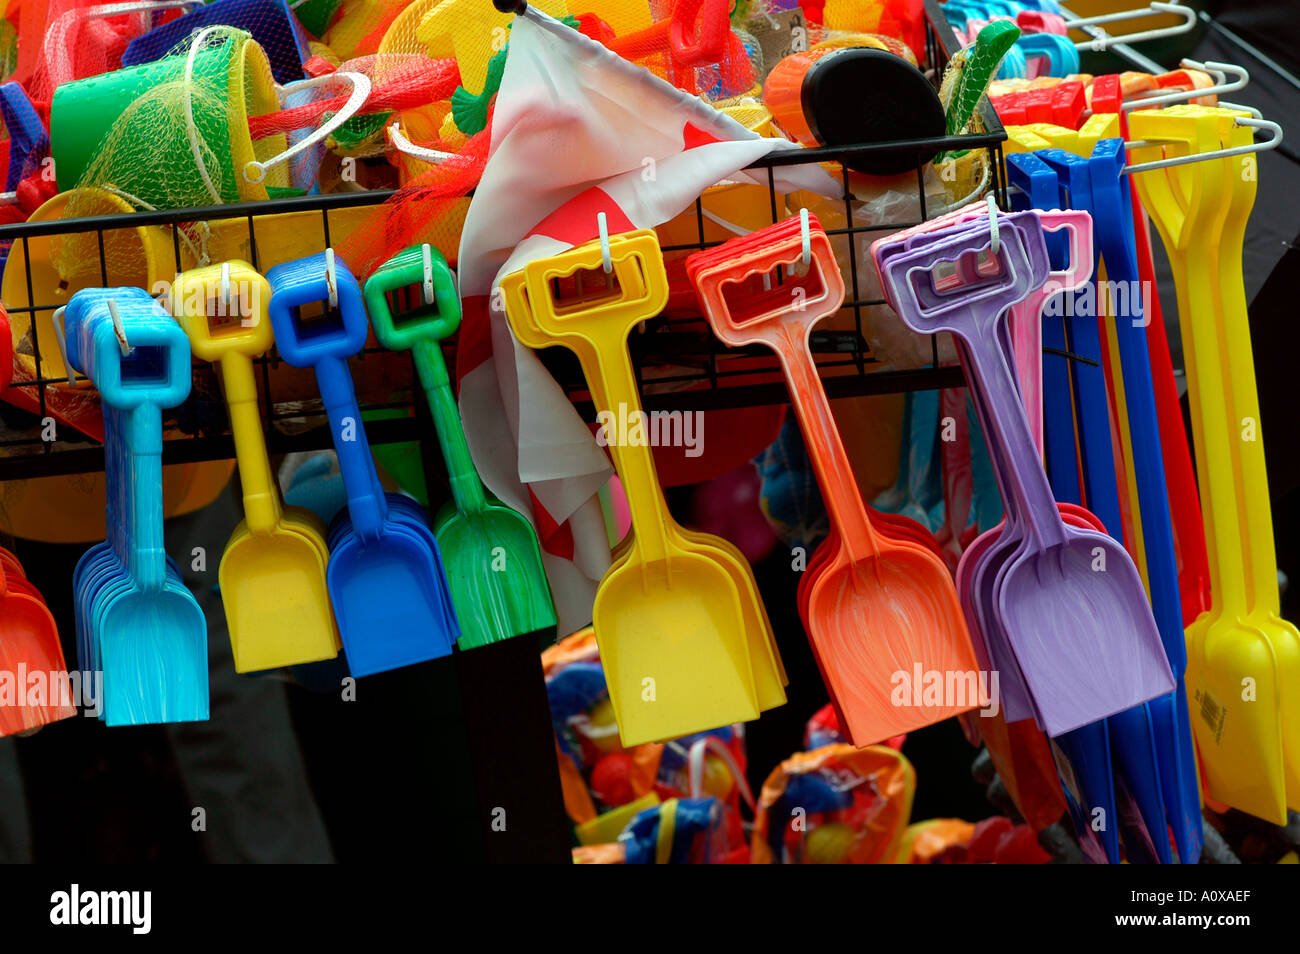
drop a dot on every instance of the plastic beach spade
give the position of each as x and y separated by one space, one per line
149 631
1199 210
1128 734
136 621
28 638
385 573
1239 368
669 615
1098 185
765 659
494 563
155 672
273 568
1069 599
878 605
974 568
28 635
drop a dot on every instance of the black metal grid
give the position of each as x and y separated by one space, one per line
698 379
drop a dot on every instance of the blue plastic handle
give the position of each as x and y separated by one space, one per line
28 138
147 557
1038 189
1113 225
979 10
367 503
156 370
88 306
1059 51
1091 399
959 11
301 282
1013 64
1128 734
155 373
1112 215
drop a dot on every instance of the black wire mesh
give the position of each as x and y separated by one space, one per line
680 365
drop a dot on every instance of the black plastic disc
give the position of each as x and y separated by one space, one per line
860 95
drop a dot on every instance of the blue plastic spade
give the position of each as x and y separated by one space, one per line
100 566
385 573
1132 732
137 621
1111 210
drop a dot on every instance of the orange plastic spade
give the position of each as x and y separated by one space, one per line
31 658
29 640
877 606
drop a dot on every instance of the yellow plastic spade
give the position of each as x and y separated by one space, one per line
770 678
1239 178
1240 174
272 572
1232 670
668 615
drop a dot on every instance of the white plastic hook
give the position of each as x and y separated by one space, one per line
61 333
1254 113
805 256
408 148
255 171
606 257
1271 143
1103 41
993 225
1075 23
1219 70
225 288
426 251
806 234
331 278
118 329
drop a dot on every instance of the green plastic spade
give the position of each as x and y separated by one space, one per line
493 561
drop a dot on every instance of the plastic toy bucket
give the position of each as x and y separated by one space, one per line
83 113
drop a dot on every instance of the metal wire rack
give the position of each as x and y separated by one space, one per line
680 365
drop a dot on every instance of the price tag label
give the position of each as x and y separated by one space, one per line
780 35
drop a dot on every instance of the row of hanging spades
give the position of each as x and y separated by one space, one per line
1122 660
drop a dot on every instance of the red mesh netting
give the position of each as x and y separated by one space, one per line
429 208
401 81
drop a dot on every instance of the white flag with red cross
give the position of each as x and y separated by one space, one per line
576 131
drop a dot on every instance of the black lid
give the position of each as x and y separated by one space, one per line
861 95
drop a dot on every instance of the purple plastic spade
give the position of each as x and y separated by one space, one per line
1069 599
979 598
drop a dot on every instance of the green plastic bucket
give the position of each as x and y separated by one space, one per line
236 72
